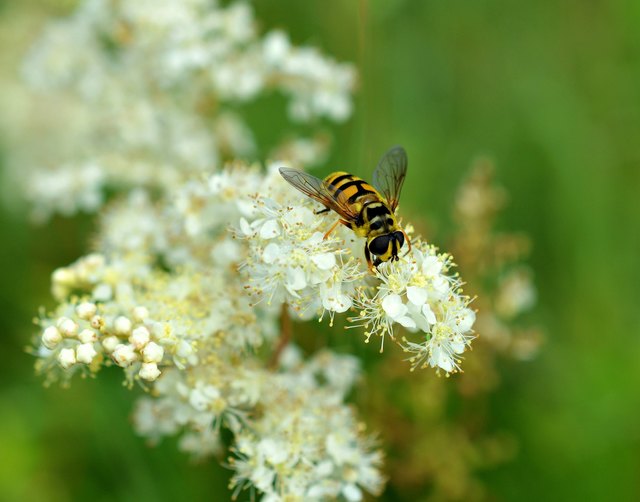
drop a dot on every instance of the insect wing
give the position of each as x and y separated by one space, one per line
318 190
389 175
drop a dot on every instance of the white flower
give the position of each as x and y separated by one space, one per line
397 310
273 451
334 299
446 341
203 396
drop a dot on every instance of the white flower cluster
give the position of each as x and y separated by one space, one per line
159 81
290 262
419 295
123 313
197 267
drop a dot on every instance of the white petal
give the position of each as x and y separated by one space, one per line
337 303
271 253
393 306
299 216
457 345
316 238
102 292
406 321
416 295
352 493
431 266
428 313
245 228
296 279
466 320
324 261
270 229
273 451
441 285
262 477
441 359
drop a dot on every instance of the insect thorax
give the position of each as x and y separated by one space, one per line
378 217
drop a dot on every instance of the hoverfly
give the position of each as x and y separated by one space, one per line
367 210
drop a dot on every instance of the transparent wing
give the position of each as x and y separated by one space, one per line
318 190
389 175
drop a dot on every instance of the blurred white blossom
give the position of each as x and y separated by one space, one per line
159 81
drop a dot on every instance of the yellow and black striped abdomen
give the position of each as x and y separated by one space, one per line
354 190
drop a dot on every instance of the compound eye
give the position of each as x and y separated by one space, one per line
399 236
379 245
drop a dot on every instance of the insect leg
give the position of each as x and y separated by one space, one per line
333 227
322 211
406 238
367 255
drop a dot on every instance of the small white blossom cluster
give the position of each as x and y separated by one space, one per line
307 445
196 267
289 260
120 313
160 83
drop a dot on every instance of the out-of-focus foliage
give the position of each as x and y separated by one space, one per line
549 91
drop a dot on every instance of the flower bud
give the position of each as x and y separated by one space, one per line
140 314
149 371
152 353
86 310
122 325
67 327
87 336
63 276
51 337
67 358
123 355
110 343
97 322
85 353
140 337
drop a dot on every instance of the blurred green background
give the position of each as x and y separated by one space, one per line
551 91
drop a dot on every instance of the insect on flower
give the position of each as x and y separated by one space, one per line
367 210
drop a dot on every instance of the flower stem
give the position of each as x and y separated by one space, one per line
285 336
